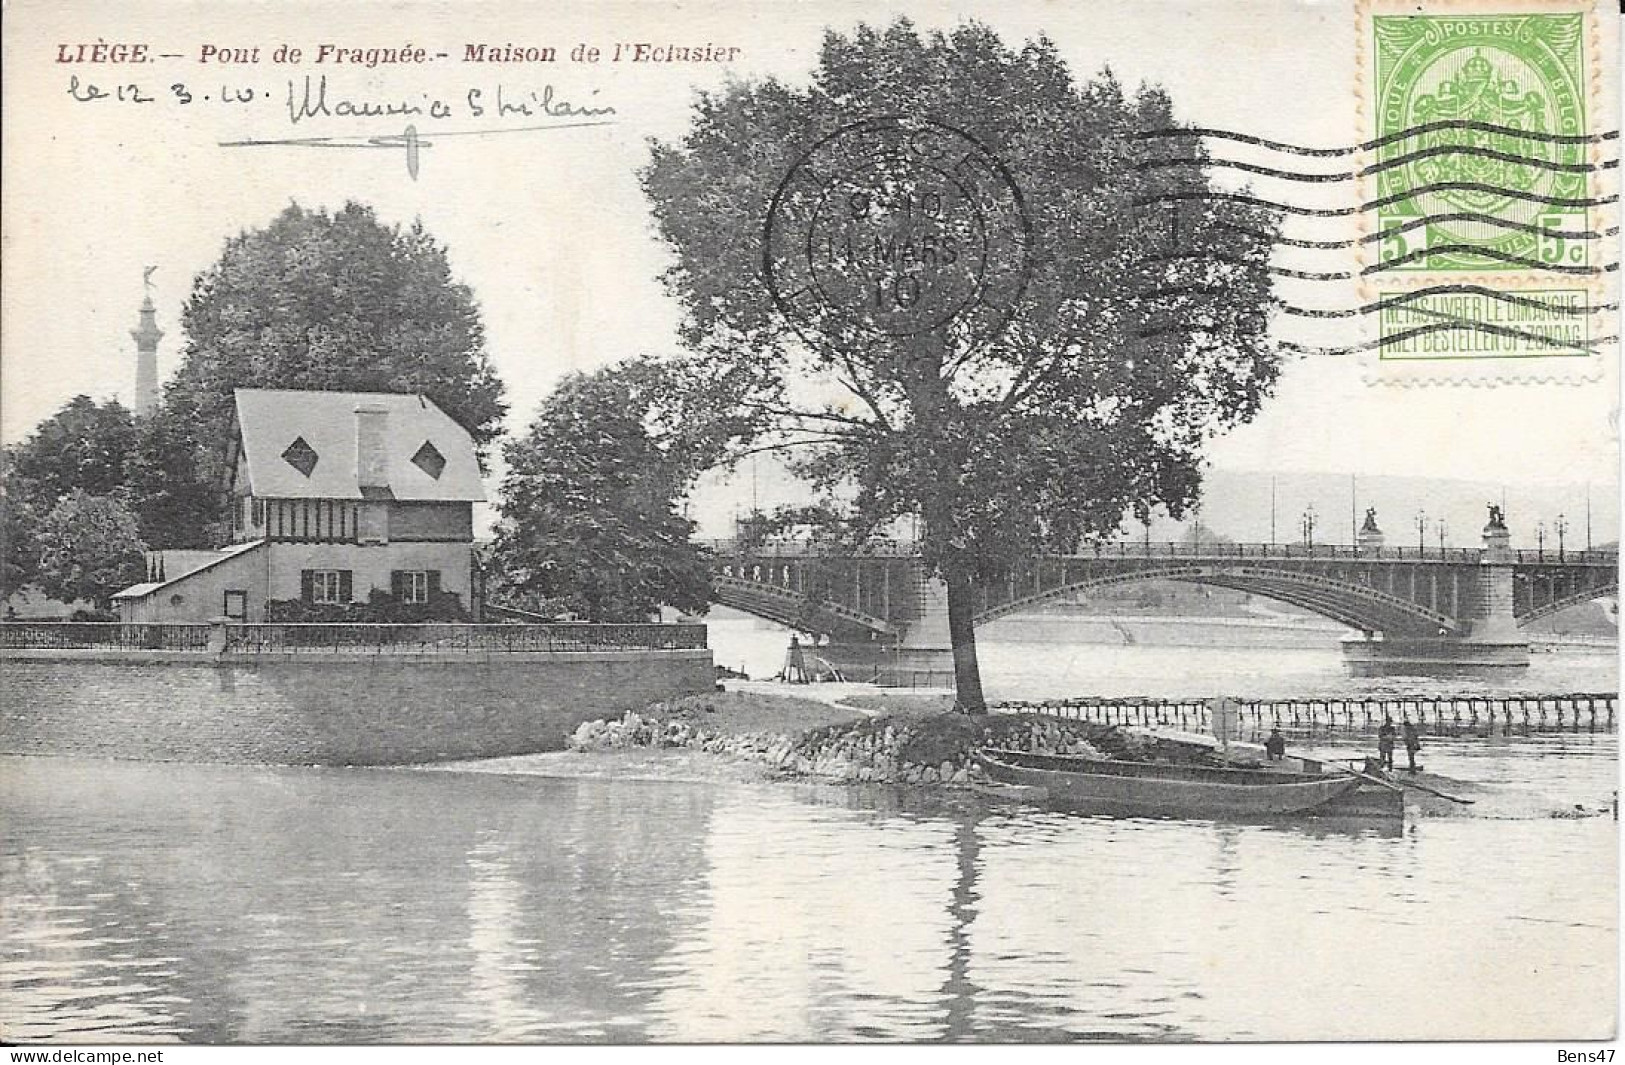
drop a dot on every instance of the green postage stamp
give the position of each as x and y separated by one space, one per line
1488 194
1512 86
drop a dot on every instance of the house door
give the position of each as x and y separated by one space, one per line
236 604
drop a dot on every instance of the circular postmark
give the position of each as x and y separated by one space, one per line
897 227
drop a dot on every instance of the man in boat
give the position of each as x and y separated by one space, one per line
1413 743
1275 746
1385 743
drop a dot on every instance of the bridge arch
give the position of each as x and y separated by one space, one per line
787 606
1360 607
1585 595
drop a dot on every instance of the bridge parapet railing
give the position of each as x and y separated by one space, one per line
880 548
1185 549
1175 549
1563 557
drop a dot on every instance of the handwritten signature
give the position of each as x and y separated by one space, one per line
313 100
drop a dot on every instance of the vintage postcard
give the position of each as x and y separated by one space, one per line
766 522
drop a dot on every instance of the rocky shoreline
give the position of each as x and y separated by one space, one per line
907 741
901 748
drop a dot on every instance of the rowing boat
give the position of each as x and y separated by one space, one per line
1159 789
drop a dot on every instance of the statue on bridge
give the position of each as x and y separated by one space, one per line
1370 525
1497 517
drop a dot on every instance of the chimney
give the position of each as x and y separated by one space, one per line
371 434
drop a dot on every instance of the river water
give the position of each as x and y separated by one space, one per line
232 904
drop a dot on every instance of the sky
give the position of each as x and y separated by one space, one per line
550 229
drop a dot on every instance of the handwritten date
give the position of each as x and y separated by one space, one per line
132 93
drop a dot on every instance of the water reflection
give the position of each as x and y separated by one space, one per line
226 904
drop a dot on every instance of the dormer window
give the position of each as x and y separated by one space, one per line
301 456
429 459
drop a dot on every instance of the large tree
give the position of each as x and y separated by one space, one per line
1113 317
19 537
317 301
86 445
590 518
90 547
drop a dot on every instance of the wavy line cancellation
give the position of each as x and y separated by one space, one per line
1384 166
1450 324
1395 300
1380 142
1345 212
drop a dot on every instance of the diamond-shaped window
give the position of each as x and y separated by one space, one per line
428 459
301 456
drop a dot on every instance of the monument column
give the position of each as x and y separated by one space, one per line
146 335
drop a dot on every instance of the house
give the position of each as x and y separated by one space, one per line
335 498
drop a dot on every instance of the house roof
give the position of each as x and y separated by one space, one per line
420 440
225 554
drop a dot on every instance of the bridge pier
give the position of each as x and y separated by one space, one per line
924 657
1489 639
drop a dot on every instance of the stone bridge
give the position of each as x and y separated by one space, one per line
1418 610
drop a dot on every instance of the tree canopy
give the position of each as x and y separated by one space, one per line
1137 330
90 547
19 540
315 301
86 445
590 520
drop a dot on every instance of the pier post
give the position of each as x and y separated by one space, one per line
926 651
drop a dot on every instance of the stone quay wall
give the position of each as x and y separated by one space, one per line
323 709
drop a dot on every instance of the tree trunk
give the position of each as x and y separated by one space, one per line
961 630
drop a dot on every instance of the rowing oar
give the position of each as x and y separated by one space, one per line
1440 794
1368 777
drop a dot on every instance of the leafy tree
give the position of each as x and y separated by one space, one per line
1139 332
19 538
90 547
590 519
85 446
319 301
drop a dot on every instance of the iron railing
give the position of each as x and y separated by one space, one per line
1176 549
1568 557
102 635
449 637
321 637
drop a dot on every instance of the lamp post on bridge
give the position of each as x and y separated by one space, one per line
1562 527
1540 540
1421 532
1441 537
1307 524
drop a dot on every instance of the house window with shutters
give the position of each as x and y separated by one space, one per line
415 585
325 585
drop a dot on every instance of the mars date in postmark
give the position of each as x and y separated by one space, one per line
896 228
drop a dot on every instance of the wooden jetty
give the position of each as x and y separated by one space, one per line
1438 715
